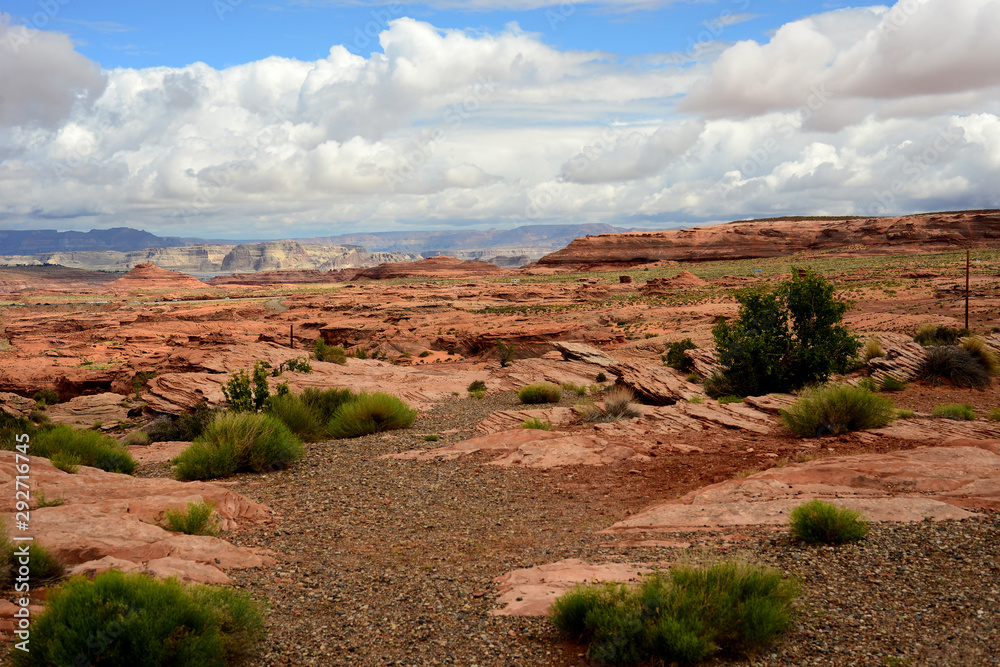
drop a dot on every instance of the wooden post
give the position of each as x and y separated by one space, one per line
967 262
291 332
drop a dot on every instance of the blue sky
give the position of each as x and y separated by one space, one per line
236 119
222 33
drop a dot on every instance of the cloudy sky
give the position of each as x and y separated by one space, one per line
292 118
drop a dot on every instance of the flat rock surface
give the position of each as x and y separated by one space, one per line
927 482
531 591
108 515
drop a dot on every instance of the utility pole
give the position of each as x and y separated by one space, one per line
291 330
968 255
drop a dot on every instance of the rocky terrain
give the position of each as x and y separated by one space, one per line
932 232
396 549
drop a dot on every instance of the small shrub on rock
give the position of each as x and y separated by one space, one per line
195 519
476 385
542 392
330 353
956 411
45 397
122 620
67 462
43 567
82 447
832 409
618 404
183 428
683 617
368 413
932 334
236 442
477 393
820 522
959 366
725 400
601 377
536 424
993 415
872 349
136 439
675 354
505 352
891 383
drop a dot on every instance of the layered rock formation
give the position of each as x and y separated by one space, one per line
932 232
149 276
440 266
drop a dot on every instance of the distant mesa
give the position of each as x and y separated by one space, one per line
440 266
923 233
149 276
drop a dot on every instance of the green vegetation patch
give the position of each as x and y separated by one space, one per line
236 442
820 522
832 409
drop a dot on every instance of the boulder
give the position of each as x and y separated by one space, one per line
657 385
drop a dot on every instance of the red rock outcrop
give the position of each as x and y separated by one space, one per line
288 276
150 276
441 266
783 236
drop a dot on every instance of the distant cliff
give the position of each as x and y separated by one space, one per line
267 256
931 232
119 239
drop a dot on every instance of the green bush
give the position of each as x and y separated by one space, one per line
67 462
122 620
831 409
956 411
542 392
725 400
298 416
360 353
11 427
536 424
601 377
681 617
195 519
368 413
872 349
993 415
477 393
236 442
820 522
476 385
46 397
506 353
891 383
41 500
43 567
931 334
136 439
330 353
783 339
83 446
618 404
431 437
983 353
904 413
950 362
675 354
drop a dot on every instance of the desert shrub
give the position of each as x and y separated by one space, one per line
725 400
578 389
987 357
195 519
904 413
360 353
959 366
697 400
536 424
371 413
618 404
330 353
717 384
477 393
11 427
120 620
43 567
542 392
872 349
298 365
476 385
184 427
42 500
431 437
84 447
140 380
505 352
46 397
784 339
891 383
993 415
300 418
235 442
424 354
681 617
67 462
820 522
601 377
39 417
246 394
136 439
931 334
831 409
956 411
675 354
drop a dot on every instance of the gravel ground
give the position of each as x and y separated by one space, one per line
392 563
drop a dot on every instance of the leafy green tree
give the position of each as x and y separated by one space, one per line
240 396
786 338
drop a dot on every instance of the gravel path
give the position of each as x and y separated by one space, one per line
392 562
